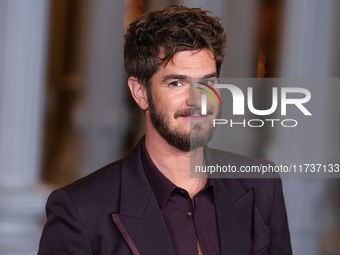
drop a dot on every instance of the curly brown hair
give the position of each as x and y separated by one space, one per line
168 31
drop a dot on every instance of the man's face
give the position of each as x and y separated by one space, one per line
175 102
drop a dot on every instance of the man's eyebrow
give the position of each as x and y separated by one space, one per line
175 77
186 77
211 75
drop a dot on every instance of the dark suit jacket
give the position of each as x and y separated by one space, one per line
114 211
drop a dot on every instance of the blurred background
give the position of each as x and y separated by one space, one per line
65 108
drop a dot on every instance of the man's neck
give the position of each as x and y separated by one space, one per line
175 164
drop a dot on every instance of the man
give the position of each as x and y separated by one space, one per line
147 203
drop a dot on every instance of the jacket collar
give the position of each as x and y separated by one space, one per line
234 209
135 188
233 187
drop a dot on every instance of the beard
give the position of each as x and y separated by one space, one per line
184 141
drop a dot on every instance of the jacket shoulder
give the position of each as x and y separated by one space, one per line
96 188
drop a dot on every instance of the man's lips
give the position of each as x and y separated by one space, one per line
194 117
192 113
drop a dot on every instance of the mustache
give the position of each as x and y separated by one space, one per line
193 110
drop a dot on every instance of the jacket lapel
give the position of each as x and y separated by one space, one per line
142 224
234 217
234 211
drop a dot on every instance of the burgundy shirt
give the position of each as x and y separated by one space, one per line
187 221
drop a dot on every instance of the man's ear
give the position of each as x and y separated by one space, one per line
138 92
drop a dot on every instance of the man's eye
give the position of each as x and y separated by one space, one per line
175 84
208 82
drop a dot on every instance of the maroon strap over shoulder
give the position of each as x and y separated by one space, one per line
125 234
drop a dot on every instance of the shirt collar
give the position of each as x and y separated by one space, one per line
162 187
